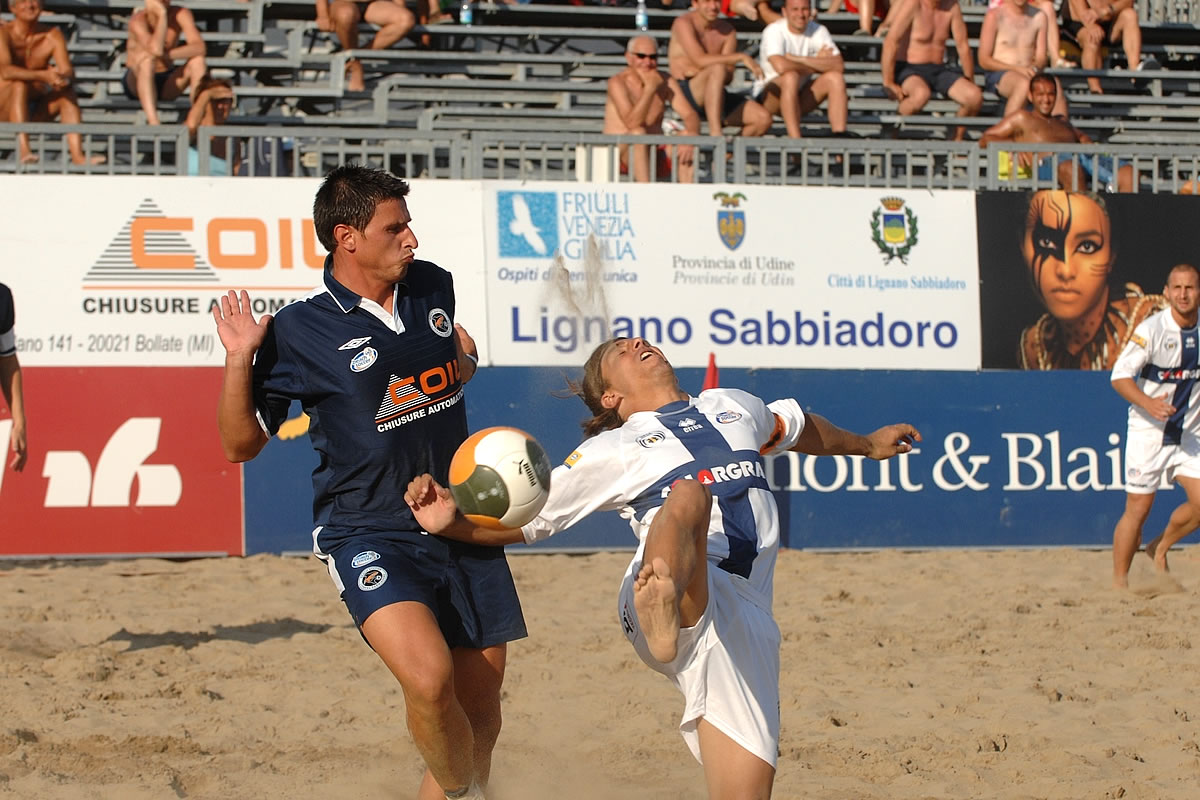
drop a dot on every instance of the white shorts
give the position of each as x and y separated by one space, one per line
727 666
1148 461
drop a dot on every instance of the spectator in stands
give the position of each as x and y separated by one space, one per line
1093 22
35 79
701 55
914 54
214 102
1053 42
867 10
636 103
11 380
802 68
1040 125
342 18
1012 49
151 72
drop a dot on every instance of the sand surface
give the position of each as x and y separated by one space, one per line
957 674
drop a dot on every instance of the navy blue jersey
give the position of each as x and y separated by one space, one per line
384 405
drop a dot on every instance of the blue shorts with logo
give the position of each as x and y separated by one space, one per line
469 588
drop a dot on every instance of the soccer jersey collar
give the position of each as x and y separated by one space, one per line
347 300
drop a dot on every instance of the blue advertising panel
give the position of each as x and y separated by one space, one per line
1008 459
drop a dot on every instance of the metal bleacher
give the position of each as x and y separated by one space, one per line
521 94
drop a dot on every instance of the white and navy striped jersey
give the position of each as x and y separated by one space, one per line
718 438
1164 359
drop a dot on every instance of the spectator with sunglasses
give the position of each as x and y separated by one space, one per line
636 104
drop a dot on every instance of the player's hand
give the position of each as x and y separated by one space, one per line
16 440
892 440
894 91
239 333
431 503
1159 408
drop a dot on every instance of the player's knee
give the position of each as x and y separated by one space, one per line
428 692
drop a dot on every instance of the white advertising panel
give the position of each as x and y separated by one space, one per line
124 271
759 276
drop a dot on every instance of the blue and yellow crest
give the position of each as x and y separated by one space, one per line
731 221
894 229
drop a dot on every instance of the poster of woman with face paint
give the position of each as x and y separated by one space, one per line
1067 276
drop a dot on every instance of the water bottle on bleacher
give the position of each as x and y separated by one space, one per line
641 20
466 13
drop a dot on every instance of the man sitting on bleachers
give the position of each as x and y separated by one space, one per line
342 18
1093 22
701 55
914 55
636 102
151 53
802 68
1013 47
35 79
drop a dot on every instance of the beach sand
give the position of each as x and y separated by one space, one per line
944 674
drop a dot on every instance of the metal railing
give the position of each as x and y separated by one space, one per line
599 158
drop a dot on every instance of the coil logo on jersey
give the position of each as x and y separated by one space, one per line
527 224
418 396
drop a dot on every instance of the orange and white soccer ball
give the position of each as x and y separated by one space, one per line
500 478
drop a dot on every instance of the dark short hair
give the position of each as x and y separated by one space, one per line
1041 77
349 195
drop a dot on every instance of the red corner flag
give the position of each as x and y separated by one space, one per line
711 380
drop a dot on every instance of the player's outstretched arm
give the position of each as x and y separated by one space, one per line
436 512
821 437
242 438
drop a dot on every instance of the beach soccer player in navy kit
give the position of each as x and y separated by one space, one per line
375 359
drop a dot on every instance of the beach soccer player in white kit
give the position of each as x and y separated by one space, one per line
687 472
1158 372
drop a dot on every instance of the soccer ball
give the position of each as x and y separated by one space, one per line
500 478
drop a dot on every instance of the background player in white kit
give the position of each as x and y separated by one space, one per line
1158 372
696 600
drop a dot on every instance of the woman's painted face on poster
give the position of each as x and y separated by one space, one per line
1068 250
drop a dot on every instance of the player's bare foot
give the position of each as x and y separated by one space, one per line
1121 582
1159 559
657 605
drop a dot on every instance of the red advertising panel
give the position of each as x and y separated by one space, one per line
122 461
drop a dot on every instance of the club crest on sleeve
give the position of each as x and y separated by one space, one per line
372 578
364 359
355 343
439 321
651 439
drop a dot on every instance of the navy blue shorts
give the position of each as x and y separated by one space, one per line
938 77
469 588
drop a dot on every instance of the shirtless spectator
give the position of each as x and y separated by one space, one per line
342 17
701 56
636 103
1040 125
35 79
151 54
914 55
214 102
802 68
1012 49
1092 22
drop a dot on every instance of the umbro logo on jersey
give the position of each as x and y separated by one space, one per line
355 343
439 322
